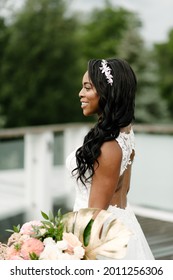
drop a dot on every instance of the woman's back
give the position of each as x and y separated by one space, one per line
126 141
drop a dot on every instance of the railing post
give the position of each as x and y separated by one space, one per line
38 167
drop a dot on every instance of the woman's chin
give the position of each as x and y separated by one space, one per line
86 113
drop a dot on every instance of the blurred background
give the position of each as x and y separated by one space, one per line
44 49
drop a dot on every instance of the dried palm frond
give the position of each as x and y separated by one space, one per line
107 235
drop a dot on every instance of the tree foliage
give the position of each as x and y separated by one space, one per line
164 57
44 49
103 31
39 66
150 106
115 32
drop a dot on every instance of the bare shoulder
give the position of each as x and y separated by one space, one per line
106 175
111 151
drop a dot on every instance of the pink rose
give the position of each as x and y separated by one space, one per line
72 242
32 245
11 252
27 228
16 258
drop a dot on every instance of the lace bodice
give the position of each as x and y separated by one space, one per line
127 144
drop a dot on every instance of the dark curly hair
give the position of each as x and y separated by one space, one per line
116 104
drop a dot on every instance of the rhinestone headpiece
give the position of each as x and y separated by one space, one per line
107 71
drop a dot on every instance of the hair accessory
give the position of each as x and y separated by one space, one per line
107 71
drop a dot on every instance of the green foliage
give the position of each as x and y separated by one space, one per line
150 106
15 229
17 246
40 66
53 226
111 32
87 232
44 50
164 56
33 256
103 31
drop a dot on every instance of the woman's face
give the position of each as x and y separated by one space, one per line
89 97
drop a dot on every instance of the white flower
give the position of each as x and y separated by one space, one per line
62 245
107 71
49 241
55 251
52 250
79 252
49 253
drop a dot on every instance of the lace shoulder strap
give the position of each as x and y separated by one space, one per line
127 143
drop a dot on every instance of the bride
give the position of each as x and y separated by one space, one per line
102 166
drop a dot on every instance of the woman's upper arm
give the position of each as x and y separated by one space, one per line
105 179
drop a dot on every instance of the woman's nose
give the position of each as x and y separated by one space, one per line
81 93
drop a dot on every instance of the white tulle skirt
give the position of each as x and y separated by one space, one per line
138 248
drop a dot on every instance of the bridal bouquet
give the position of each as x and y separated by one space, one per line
72 236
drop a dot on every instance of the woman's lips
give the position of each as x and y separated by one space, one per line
84 104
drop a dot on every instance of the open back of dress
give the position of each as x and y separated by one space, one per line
138 248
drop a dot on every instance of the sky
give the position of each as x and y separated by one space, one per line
156 15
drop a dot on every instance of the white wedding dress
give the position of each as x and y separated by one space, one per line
138 248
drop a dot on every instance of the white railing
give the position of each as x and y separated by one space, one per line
40 183
36 187
12 193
